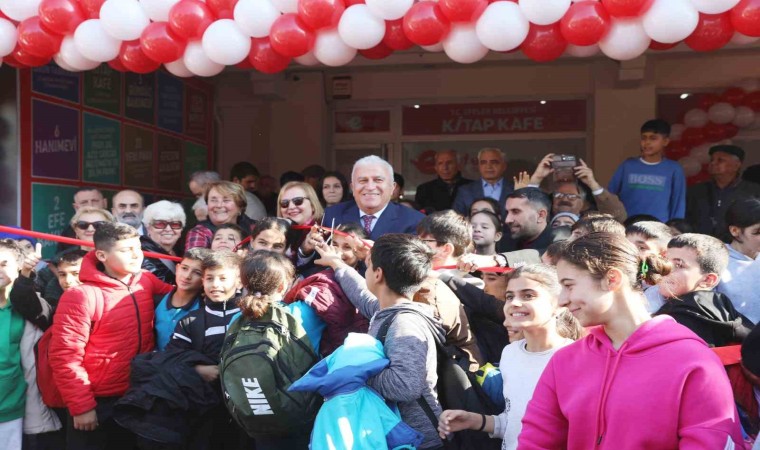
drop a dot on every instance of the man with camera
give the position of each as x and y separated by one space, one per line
574 188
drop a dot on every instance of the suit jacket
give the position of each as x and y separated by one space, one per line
395 218
435 193
470 192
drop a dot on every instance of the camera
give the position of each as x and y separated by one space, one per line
563 166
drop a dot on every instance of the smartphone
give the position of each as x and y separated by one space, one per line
563 166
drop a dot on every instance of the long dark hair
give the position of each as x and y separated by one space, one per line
742 214
262 274
343 183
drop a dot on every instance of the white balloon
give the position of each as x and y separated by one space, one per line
62 64
70 55
502 26
625 40
756 124
743 39
582 51
224 42
749 85
744 117
178 68
8 37
544 12
714 6
676 131
435 48
19 10
307 60
94 43
286 6
255 17
158 10
670 21
123 19
330 50
721 113
389 9
359 28
197 62
690 165
462 44
695 118
701 153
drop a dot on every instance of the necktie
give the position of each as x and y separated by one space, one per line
368 223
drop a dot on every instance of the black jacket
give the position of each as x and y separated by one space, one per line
161 268
33 306
438 194
204 329
507 244
706 204
710 315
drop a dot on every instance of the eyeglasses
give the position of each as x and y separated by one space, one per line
84 226
561 195
162 224
298 201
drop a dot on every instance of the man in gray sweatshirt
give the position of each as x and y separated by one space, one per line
396 267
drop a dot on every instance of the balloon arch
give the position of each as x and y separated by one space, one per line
201 37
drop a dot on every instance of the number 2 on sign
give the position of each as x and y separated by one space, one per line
57 201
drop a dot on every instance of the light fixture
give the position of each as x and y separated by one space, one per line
416 106
543 102
685 95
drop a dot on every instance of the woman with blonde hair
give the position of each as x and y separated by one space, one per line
298 202
226 204
86 220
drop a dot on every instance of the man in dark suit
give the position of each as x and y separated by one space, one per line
527 214
492 164
439 194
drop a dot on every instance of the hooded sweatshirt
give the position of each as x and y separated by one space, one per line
740 283
662 389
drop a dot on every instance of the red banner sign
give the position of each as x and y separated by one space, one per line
362 121
495 118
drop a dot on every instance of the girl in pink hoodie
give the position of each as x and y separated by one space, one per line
635 383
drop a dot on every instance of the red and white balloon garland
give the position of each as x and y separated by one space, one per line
718 118
201 37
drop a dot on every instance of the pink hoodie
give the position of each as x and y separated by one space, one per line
664 389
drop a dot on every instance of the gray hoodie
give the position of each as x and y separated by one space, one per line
408 343
741 283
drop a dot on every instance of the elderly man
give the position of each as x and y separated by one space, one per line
439 194
128 207
707 203
492 163
372 186
197 185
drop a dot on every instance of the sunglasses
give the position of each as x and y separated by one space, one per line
84 226
298 201
162 224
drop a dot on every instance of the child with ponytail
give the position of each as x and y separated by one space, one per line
634 382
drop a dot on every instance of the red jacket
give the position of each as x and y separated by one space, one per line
92 360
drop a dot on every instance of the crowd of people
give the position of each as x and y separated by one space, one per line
545 311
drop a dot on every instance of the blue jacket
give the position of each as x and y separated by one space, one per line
468 193
395 218
354 417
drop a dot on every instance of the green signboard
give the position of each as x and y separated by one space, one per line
195 159
102 153
52 209
138 156
102 89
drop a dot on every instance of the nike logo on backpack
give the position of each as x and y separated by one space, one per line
256 399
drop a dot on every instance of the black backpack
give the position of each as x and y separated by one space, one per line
457 388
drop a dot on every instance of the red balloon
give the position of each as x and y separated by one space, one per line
116 65
463 10
425 23
730 130
733 95
752 100
190 18
161 44
707 100
379 51
134 59
265 58
544 43
34 39
223 9
91 8
585 23
244 64
701 177
713 132
713 32
676 150
745 17
692 137
321 13
654 45
290 36
626 8
25 58
354 2
10 60
61 16
394 35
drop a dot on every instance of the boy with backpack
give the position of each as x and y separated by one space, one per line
651 184
99 327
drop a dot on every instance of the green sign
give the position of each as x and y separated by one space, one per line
51 211
102 89
169 163
195 159
138 156
102 154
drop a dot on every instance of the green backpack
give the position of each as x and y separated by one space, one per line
260 360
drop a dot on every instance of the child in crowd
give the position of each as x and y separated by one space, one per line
346 246
591 391
651 184
486 232
270 234
738 282
449 235
679 226
228 237
649 237
98 328
532 306
596 223
185 298
698 260
485 204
